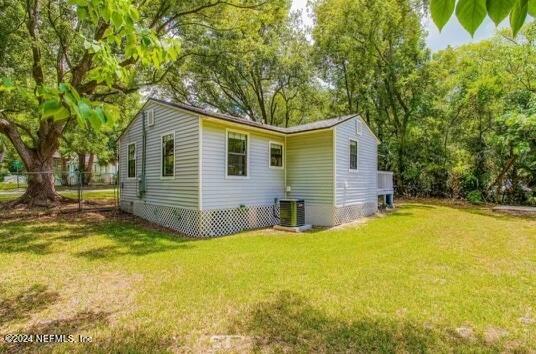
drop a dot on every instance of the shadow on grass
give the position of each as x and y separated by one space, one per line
289 323
481 210
127 239
498 215
22 305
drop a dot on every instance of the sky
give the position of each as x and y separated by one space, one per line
453 33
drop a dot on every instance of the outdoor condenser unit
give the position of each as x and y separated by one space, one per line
292 212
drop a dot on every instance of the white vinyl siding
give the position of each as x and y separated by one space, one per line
310 167
359 186
183 189
263 183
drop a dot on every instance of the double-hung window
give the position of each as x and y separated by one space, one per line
131 163
168 155
353 155
276 155
237 154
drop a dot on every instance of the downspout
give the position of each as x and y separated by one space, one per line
142 185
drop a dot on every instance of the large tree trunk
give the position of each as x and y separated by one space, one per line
38 161
41 191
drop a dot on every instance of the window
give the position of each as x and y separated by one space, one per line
168 155
359 127
149 117
353 155
131 160
237 154
276 155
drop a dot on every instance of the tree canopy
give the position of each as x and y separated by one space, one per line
458 123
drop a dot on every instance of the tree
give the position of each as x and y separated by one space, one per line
67 57
254 66
485 99
373 56
90 145
471 13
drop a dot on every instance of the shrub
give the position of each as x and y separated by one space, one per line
474 197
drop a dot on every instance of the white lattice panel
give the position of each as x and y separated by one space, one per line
207 223
221 222
352 212
183 220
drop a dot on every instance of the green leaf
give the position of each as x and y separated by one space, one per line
6 85
85 110
518 15
117 19
94 121
54 109
499 9
532 8
441 11
471 13
66 88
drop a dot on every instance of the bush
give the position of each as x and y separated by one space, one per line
474 197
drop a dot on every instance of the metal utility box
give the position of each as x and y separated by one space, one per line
292 212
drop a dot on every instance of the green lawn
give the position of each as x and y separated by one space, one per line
425 278
7 186
88 194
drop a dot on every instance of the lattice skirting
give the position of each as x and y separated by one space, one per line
206 223
219 222
352 212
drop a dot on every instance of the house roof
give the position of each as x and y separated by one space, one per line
309 127
321 124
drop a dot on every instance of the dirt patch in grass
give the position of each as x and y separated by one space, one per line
77 304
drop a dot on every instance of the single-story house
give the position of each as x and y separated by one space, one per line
209 174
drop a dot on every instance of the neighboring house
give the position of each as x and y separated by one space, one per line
66 172
208 174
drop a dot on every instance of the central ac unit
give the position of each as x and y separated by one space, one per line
292 212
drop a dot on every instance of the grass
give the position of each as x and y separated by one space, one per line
7 186
88 194
427 278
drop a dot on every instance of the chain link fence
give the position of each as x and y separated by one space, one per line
82 190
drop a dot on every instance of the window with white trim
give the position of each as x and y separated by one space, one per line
276 155
237 154
168 155
131 161
353 155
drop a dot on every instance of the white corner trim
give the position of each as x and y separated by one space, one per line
283 147
200 161
162 156
248 143
334 157
285 170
